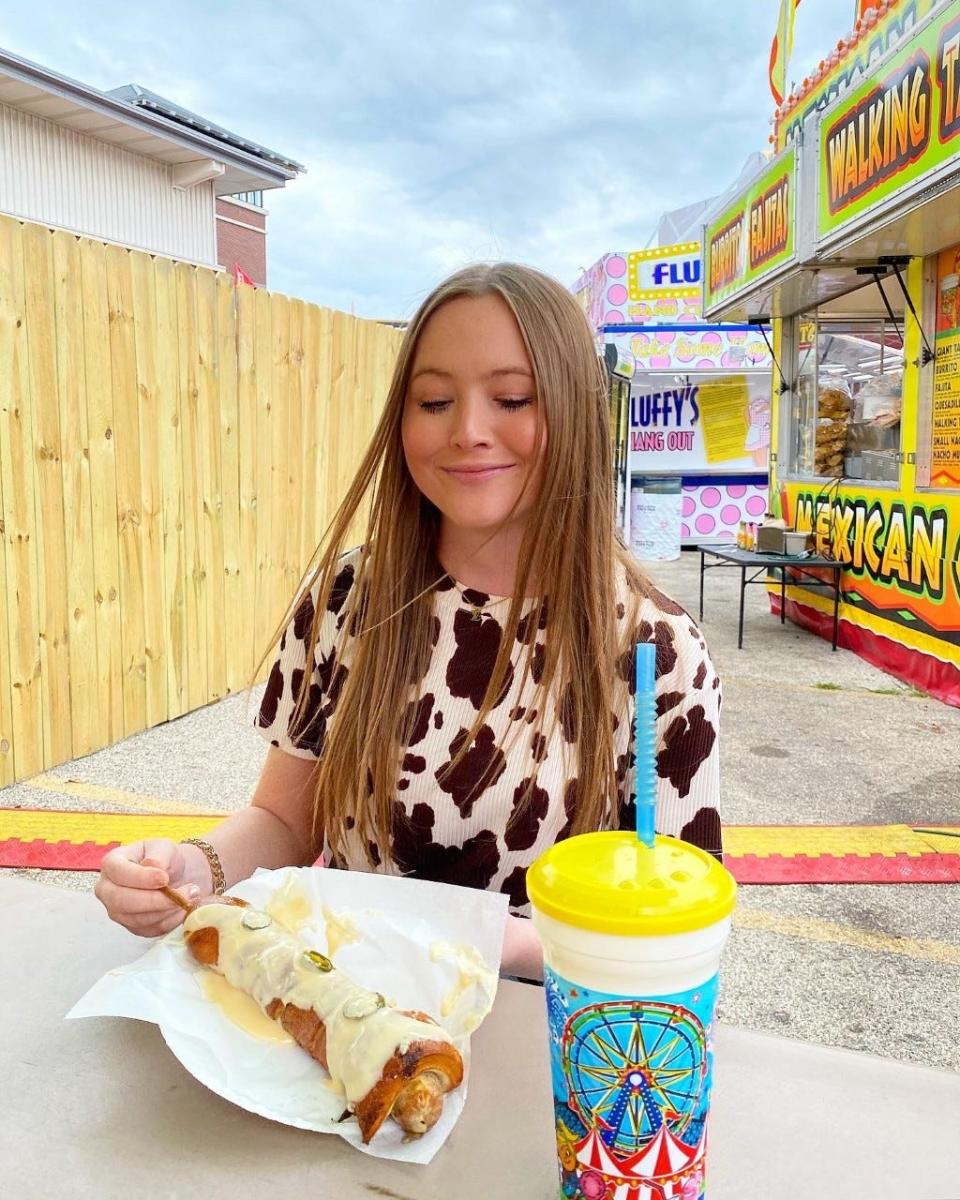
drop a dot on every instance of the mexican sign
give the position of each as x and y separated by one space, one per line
897 131
755 236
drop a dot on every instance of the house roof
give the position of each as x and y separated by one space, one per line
142 97
139 121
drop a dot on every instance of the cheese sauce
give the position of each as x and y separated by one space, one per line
270 964
239 1008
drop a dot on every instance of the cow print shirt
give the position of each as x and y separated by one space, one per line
488 840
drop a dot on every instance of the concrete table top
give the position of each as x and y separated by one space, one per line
100 1108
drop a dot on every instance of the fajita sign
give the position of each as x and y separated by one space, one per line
755 236
897 130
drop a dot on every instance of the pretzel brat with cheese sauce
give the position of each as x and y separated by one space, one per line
390 1062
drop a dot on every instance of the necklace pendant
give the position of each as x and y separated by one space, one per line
476 614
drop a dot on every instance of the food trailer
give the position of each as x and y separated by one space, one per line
849 242
690 401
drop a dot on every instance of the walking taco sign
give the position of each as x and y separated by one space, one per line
897 130
755 236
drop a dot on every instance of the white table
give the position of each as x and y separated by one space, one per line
100 1108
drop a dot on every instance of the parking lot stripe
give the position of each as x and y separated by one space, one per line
810 929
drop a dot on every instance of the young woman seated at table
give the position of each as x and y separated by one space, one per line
468 699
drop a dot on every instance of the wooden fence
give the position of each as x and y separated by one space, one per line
171 449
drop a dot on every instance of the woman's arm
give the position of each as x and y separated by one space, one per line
522 952
275 831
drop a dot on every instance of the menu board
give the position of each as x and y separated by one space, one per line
945 430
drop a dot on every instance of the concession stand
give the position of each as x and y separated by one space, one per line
690 401
848 242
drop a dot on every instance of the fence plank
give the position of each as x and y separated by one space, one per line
47 454
266 618
247 466
103 491
236 677
80 587
196 609
211 485
280 497
169 436
293 570
126 441
19 512
309 458
151 496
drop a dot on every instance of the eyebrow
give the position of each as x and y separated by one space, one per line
495 374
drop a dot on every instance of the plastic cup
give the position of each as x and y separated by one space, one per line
632 940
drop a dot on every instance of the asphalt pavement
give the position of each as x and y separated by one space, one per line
808 737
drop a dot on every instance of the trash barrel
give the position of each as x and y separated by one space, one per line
655 507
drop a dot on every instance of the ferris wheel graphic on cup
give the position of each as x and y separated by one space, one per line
633 1066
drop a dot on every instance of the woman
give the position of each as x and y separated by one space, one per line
468 701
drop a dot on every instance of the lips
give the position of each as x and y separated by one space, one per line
477 474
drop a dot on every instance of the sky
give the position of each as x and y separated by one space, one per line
442 132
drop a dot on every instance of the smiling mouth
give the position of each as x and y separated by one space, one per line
477 474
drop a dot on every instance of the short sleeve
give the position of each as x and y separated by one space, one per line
688 728
303 733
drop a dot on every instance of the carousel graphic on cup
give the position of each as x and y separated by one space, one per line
631 1091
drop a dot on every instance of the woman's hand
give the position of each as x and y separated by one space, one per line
130 879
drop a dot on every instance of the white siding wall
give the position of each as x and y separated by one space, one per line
56 176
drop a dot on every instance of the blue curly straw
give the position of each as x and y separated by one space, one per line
645 743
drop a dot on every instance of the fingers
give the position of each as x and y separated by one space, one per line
129 883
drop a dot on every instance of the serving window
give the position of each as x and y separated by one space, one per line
847 394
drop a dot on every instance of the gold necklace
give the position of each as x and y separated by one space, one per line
477 610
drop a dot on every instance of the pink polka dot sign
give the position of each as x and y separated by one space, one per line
616 266
613 317
714 512
616 294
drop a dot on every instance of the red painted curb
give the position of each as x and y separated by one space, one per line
850 868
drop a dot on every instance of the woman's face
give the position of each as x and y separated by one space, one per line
470 416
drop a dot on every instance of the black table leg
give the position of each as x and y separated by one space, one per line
743 588
783 595
701 584
836 605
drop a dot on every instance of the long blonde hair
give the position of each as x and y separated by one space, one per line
570 548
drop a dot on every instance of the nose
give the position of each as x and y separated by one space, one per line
469 427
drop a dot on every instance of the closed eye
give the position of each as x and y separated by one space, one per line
512 403
433 406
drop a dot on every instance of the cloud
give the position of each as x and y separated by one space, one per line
439 133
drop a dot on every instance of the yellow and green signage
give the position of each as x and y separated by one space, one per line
896 129
755 235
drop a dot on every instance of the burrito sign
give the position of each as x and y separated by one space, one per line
896 129
755 235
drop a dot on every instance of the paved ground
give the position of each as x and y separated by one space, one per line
808 737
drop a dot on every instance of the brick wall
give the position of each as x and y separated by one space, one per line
242 238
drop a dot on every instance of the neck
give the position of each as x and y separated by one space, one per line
480 561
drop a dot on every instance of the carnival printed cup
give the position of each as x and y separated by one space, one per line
632 940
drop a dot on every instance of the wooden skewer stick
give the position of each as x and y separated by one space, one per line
177 899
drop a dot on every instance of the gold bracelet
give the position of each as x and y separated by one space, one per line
213 861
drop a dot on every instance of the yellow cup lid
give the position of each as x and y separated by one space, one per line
612 883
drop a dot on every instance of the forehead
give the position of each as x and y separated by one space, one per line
471 335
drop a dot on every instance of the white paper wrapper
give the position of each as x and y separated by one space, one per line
406 927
